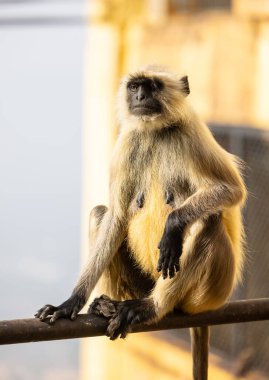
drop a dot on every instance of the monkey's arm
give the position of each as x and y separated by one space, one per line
110 236
204 202
221 187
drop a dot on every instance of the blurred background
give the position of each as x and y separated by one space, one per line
60 65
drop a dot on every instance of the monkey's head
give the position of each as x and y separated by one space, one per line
152 96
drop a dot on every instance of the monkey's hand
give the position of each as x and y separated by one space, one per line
122 315
170 247
68 309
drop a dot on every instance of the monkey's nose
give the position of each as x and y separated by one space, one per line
140 94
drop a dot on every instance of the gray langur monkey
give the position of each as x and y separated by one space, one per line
172 235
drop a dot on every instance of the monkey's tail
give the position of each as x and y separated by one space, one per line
200 342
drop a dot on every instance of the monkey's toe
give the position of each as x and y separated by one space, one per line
118 325
103 306
128 313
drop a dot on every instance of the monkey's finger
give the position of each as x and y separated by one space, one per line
125 328
171 267
132 318
118 324
177 267
74 313
114 335
164 272
171 271
107 309
103 306
104 297
48 310
124 332
165 265
40 311
113 329
161 243
56 315
159 266
94 307
160 261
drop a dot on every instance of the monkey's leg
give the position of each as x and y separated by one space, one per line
204 282
207 271
122 280
106 235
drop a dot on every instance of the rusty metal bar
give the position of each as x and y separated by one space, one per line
32 330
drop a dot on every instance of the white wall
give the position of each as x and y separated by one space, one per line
41 88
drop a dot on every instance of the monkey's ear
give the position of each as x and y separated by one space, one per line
185 85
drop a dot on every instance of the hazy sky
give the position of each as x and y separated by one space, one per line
41 89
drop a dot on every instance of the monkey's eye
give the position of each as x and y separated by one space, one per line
133 87
156 85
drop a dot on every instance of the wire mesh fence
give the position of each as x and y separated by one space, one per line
248 343
195 5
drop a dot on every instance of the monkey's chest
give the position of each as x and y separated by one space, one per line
145 230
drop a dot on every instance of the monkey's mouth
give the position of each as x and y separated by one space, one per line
142 110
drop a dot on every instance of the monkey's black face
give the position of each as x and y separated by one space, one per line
142 96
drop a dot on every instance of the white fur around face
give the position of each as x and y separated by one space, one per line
172 98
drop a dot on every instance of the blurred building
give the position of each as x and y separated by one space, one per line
223 46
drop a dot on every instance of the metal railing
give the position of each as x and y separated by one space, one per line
87 325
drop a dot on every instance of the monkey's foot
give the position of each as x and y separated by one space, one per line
123 314
68 309
103 306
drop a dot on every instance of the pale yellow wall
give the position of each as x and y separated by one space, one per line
224 54
214 50
101 70
144 357
251 8
101 67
